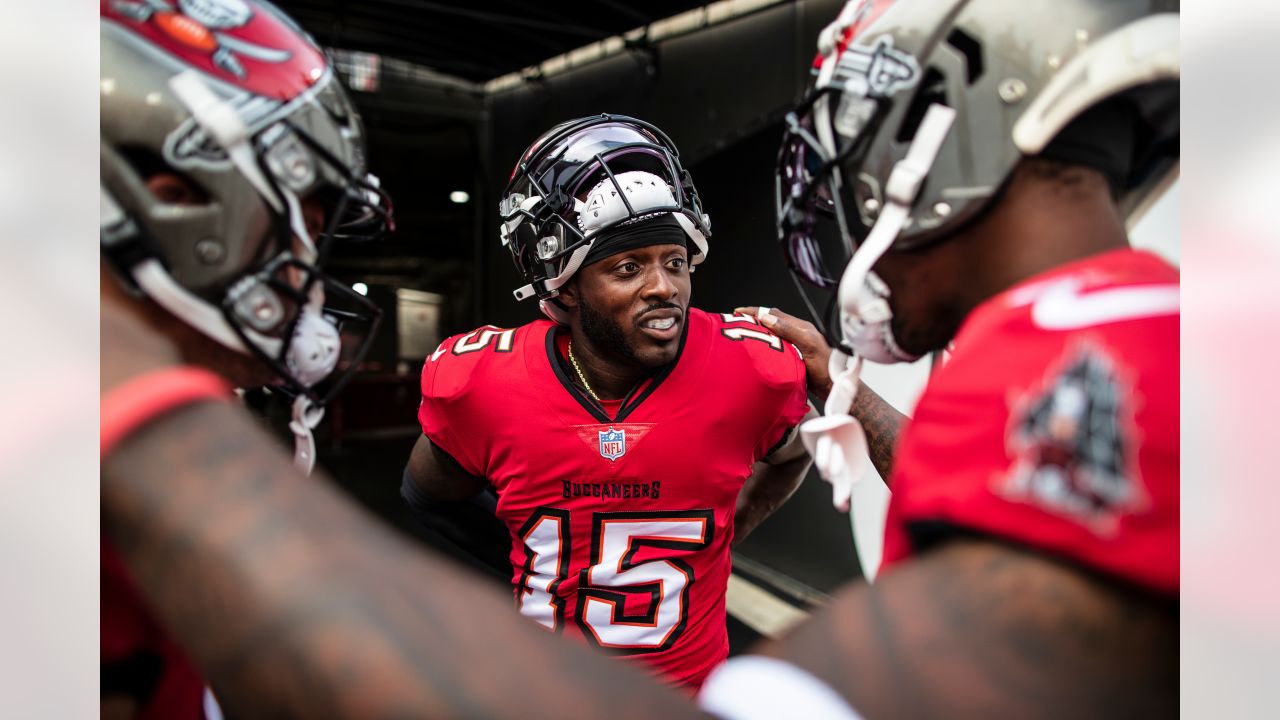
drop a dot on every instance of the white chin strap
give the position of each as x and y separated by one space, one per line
864 306
836 441
312 355
158 285
306 416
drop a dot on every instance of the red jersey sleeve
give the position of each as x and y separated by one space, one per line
452 389
777 366
1058 434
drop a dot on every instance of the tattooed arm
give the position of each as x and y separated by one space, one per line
882 424
880 421
295 603
981 629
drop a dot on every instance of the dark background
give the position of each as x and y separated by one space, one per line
438 123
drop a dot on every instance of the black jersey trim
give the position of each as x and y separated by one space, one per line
642 389
562 374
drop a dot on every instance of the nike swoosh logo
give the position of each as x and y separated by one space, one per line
439 351
1062 306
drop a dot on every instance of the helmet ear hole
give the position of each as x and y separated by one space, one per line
933 90
971 49
166 183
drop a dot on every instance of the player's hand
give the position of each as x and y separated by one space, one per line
130 347
801 333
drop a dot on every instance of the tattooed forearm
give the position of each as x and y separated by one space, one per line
882 424
978 629
295 603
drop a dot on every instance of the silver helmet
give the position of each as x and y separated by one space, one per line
920 111
234 98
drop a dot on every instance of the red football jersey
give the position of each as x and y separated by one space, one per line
620 517
1055 424
138 656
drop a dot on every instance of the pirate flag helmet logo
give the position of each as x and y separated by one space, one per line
1074 448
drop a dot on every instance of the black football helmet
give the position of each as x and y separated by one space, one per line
546 224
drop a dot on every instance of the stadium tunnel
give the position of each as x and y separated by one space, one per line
450 96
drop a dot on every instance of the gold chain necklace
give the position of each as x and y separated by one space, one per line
581 377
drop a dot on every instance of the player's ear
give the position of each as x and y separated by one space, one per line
569 293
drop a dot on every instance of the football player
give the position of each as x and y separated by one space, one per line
228 153
977 163
630 438
1063 604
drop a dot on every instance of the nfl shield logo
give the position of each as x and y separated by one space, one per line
613 443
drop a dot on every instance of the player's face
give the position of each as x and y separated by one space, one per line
926 313
633 305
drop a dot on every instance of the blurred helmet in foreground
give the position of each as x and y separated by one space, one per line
238 102
920 111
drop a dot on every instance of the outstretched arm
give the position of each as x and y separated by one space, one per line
880 421
296 603
977 628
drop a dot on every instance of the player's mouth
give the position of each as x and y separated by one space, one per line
661 325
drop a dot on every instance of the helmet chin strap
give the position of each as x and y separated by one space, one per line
160 286
306 416
836 441
312 354
699 240
313 351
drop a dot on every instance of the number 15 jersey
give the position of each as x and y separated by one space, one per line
621 514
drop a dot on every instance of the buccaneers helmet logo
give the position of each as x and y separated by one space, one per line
201 25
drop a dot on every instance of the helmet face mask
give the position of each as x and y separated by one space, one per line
816 235
253 117
545 222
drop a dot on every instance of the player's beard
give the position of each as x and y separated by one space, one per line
606 336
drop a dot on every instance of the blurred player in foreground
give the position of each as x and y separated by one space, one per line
975 164
223 169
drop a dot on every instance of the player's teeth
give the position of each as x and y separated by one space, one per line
662 324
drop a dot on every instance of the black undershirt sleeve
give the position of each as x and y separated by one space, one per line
468 531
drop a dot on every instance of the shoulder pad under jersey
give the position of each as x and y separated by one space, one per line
776 361
466 359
